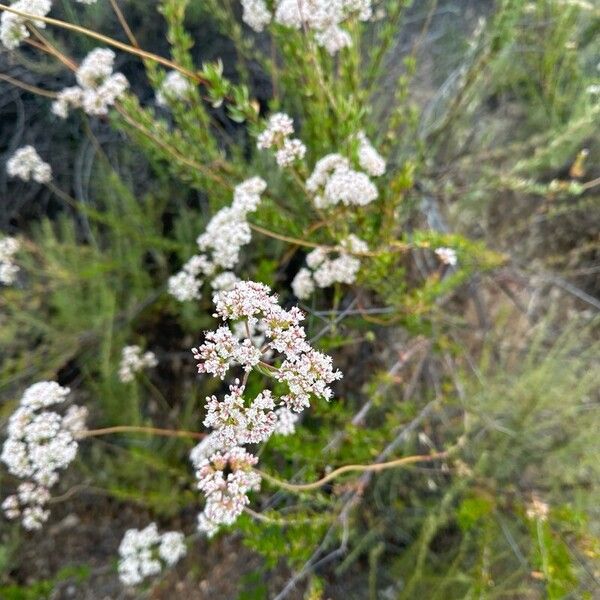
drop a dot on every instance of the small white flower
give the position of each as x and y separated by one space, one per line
39 444
9 246
447 256
368 158
174 87
12 27
98 87
303 285
256 14
146 552
27 165
133 361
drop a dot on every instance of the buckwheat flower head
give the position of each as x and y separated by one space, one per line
26 164
255 14
39 444
69 97
133 361
226 495
174 87
12 27
184 286
225 235
333 39
342 269
224 281
98 87
303 285
263 331
279 127
28 505
291 151
368 158
172 547
324 17
95 68
286 421
348 187
324 169
145 552
447 256
9 246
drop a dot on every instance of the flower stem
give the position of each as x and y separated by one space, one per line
135 429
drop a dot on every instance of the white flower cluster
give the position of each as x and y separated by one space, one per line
323 270
333 182
39 444
323 17
447 256
12 27
256 14
283 350
225 235
9 246
277 135
174 87
368 158
133 361
26 164
145 552
99 88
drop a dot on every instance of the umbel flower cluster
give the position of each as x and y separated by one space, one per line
26 164
325 267
40 443
334 182
98 87
12 27
225 235
277 136
145 552
224 468
323 17
133 361
9 246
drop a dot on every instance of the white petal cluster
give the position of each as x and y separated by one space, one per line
12 27
264 333
324 18
174 87
39 444
28 505
368 158
286 421
226 494
225 235
255 14
324 268
9 246
26 164
98 87
277 136
334 182
145 552
447 256
133 361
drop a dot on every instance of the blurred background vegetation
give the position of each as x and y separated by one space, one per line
487 116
